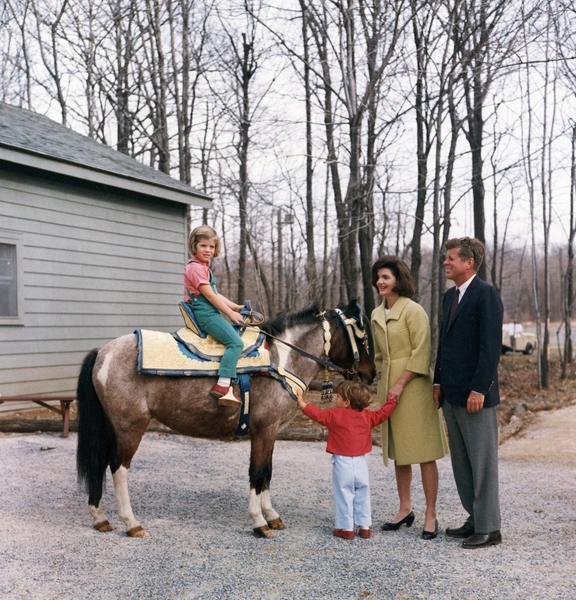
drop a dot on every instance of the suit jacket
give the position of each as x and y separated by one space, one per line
470 345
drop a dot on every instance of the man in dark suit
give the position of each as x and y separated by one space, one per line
466 385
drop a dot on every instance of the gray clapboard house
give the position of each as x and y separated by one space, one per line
92 246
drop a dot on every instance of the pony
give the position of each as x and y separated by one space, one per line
116 403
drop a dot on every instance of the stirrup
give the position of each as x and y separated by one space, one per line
229 399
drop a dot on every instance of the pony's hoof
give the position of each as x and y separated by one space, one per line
263 532
103 526
277 524
137 532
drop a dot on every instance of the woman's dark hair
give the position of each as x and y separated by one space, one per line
400 270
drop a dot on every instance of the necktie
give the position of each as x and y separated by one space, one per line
454 304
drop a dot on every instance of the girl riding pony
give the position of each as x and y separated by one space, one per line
208 305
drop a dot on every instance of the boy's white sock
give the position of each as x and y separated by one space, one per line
223 382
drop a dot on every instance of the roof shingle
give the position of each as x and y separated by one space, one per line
31 134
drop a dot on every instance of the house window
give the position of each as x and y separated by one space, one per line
8 281
10 278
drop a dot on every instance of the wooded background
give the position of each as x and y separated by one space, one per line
332 132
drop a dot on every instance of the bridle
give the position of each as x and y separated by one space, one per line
354 331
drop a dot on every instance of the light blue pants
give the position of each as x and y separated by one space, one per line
211 321
351 484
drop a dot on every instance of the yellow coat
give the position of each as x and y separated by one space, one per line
414 433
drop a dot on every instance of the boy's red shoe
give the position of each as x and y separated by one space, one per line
345 534
364 532
225 395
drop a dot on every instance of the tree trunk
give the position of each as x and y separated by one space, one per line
421 157
311 274
246 72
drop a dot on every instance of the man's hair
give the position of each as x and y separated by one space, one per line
357 393
404 283
467 248
203 232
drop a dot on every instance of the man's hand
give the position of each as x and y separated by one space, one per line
475 402
436 394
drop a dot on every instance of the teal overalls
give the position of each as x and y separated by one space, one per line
211 321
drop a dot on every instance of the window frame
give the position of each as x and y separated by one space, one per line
13 238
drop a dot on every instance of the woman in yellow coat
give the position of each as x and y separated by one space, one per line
414 433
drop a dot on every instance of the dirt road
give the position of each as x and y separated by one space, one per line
549 438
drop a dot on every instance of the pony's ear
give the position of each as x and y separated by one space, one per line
353 309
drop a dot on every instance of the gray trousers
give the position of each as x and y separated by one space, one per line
473 440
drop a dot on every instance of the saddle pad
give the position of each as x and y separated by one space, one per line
161 353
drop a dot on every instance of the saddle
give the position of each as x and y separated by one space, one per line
191 352
185 353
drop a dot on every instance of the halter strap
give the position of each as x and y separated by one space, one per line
354 331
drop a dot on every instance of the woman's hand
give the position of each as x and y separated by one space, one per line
395 392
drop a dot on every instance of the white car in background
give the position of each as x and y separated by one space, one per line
515 339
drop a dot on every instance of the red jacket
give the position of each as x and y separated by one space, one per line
349 431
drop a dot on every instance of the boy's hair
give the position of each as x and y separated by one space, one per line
404 282
357 393
203 232
467 248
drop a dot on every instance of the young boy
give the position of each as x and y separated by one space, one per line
349 440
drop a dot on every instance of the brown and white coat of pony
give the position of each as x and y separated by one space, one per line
116 403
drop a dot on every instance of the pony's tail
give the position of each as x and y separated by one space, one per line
95 437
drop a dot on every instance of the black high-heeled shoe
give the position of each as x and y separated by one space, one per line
430 535
408 520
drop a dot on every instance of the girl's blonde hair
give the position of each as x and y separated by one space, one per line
203 232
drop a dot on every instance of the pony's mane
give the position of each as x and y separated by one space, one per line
283 321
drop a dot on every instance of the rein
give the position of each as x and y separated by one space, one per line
325 363
353 331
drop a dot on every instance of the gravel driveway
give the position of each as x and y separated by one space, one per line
191 496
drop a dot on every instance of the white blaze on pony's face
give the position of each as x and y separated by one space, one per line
290 336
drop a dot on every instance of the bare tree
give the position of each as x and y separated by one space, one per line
241 103
485 35
423 20
311 273
345 87
15 53
189 23
567 50
49 46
